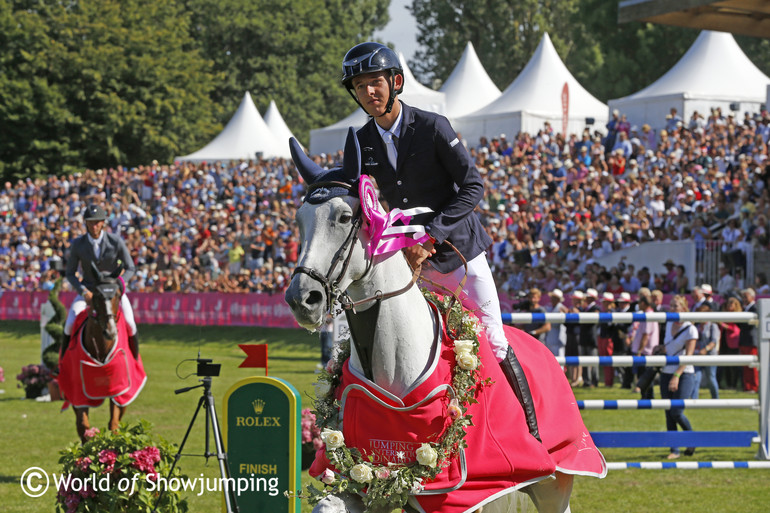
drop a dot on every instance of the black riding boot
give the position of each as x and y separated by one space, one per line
518 381
133 343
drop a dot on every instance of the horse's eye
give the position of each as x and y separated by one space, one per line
345 218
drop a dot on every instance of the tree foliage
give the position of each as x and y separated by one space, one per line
95 83
98 82
610 60
290 52
505 34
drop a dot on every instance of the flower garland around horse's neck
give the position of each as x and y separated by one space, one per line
391 484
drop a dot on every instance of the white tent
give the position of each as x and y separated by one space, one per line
332 138
714 72
245 135
277 125
468 88
533 98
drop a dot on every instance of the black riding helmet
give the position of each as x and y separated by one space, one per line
368 58
94 212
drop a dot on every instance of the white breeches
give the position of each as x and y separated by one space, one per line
79 304
479 295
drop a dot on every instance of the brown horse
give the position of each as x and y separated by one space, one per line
99 335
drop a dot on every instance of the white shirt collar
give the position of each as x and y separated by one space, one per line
396 128
96 241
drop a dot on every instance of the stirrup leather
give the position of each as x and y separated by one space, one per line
518 381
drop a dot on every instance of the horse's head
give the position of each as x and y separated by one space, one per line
106 301
329 220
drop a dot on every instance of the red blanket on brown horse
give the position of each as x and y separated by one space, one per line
86 381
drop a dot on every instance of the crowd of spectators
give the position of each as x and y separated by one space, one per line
555 205
552 205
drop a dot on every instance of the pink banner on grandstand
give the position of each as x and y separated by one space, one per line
205 309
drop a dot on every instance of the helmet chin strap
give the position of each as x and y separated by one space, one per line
392 99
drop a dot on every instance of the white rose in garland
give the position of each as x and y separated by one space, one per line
361 473
467 361
332 438
322 389
463 346
427 455
328 477
382 486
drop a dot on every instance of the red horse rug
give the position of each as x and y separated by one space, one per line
86 382
501 454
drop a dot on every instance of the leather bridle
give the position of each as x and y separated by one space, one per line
344 254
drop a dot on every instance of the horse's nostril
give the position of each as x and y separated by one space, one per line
314 297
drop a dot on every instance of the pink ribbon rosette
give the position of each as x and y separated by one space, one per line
384 237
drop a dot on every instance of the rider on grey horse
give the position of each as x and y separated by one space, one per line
418 161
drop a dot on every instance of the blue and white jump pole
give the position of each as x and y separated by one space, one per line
762 319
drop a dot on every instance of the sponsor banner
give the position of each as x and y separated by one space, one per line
208 309
262 436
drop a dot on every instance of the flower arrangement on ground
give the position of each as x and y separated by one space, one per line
118 472
311 437
388 486
33 378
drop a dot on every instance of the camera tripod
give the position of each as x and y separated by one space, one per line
207 402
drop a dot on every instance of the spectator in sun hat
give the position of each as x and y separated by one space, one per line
556 337
669 278
604 336
621 342
588 345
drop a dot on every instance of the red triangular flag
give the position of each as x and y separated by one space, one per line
256 355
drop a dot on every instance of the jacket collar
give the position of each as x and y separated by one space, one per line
407 133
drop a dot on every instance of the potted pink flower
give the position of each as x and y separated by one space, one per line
311 438
34 379
127 465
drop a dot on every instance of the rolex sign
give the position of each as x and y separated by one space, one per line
262 437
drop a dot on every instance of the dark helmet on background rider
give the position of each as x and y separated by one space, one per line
94 212
369 58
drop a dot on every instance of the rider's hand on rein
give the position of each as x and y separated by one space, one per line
417 254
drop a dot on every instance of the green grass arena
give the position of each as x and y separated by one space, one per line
34 432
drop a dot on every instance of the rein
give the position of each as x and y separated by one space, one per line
331 286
